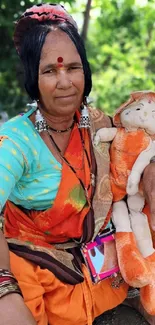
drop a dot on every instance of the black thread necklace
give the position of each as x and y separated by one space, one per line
61 131
86 189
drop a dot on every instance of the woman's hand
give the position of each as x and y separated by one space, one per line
149 190
13 311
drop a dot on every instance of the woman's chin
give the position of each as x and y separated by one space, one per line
66 109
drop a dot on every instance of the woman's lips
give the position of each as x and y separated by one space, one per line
67 98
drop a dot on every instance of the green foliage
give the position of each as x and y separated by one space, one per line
121 48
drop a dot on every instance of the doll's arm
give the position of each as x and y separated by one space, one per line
141 162
105 135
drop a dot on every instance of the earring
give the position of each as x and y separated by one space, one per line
84 119
40 123
32 105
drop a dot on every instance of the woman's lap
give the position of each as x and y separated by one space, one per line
49 298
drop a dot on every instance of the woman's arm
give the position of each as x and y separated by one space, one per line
13 310
4 253
149 190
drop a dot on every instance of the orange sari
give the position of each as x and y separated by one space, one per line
50 299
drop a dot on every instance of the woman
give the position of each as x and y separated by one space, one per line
47 170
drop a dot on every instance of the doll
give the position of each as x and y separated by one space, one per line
131 151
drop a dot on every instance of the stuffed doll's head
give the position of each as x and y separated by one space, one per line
137 112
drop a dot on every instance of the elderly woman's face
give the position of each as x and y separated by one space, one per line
61 84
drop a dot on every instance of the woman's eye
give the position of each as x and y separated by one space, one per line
138 109
74 68
49 71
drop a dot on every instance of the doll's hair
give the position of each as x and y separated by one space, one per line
134 97
144 94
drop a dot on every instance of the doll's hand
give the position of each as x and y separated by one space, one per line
149 190
133 183
105 135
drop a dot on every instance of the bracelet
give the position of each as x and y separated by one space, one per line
6 273
152 159
9 288
8 283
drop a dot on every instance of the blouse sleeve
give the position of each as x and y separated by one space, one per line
11 167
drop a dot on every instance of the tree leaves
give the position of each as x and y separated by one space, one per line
121 51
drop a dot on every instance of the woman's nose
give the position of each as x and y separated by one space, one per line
145 114
63 79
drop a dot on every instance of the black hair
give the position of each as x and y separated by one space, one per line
31 48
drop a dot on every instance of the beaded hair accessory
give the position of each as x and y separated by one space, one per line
39 13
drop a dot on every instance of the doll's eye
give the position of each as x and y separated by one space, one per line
153 111
137 109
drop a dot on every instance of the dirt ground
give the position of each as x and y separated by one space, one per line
122 315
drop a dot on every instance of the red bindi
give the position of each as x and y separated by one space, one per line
60 59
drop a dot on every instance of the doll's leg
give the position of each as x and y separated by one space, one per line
133 267
141 229
140 225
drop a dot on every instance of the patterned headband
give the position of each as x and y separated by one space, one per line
39 13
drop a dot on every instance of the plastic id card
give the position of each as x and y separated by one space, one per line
100 256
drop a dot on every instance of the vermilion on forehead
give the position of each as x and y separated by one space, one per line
60 59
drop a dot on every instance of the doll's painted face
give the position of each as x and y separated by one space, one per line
140 114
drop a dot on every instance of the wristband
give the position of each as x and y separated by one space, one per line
8 283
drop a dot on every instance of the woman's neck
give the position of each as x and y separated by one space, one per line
58 122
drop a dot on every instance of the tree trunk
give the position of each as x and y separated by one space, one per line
86 20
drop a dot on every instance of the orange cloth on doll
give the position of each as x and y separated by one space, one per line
124 151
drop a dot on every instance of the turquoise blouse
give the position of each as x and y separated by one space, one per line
29 173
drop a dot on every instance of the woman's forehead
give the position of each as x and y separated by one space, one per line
58 44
